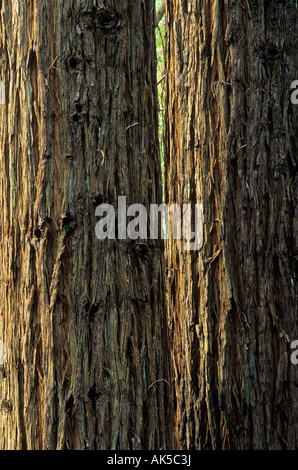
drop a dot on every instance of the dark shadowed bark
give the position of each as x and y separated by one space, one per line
231 144
83 320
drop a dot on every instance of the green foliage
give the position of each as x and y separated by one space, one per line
160 51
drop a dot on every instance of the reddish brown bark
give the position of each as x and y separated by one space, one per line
83 321
231 133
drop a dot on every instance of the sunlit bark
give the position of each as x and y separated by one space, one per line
83 321
231 135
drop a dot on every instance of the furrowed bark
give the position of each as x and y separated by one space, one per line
83 321
231 133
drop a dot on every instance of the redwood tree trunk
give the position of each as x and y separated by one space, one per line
83 321
231 134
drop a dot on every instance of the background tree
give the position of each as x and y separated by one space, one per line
83 321
230 144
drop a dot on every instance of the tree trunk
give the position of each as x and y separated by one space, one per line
230 145
83 321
